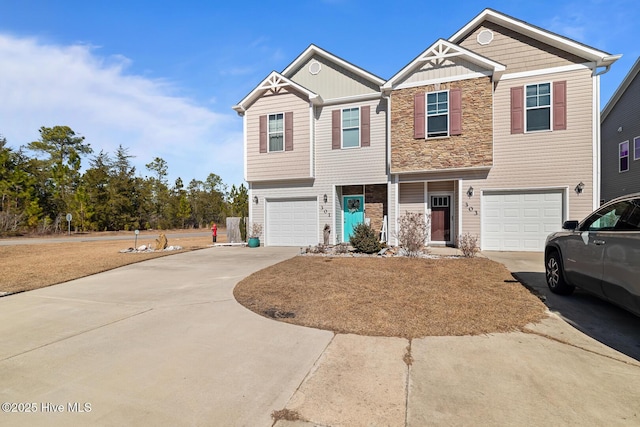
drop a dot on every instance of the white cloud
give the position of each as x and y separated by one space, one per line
48 85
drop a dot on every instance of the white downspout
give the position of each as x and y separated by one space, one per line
596 143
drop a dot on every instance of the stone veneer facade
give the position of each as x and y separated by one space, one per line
473 148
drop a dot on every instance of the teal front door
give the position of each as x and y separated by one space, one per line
353 214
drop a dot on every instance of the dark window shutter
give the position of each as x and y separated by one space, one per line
288 131
455 112
335 129
517 109
560 105
365 126
263 134
418 115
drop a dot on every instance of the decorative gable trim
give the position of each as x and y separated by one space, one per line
602 59
275 83
437 53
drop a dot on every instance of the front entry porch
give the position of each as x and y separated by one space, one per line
436 200
361 203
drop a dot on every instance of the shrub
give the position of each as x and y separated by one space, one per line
318 249
413 232
255 230
342 248
468 245
365 239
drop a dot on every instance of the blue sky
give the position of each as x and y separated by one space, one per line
160 77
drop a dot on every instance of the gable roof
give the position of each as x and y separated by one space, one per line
274 82
631 75
312 50
441 50
601 58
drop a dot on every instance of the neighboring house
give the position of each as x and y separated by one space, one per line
315 150
621 138
494 132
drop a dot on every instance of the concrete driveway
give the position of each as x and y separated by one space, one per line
157 343
164 343
598 319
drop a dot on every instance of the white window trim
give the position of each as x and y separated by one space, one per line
550 107
342 128
620 157
426 115
636 148
269 150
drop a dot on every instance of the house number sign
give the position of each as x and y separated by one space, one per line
325 211
470 208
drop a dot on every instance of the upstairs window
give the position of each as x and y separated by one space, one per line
350 127
437 114
538 107
636 148
276 132
623 156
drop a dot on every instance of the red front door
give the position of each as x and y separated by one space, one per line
440 218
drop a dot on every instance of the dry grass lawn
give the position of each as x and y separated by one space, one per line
398 297
27 267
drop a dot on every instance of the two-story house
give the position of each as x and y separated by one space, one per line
621 138
494 132
315 150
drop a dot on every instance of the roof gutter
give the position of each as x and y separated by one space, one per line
606 62
239 109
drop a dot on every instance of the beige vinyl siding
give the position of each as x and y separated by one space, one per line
279 165
440 186
540 160
352 166
411 198
516 51
450 69
332 81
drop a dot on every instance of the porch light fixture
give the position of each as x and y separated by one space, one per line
324 198
579 188
470 192
255 200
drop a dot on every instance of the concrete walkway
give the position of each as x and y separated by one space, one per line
164 343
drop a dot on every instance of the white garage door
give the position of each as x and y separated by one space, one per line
519 221
292 222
